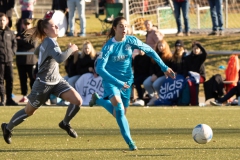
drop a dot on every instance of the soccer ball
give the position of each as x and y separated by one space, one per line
202 134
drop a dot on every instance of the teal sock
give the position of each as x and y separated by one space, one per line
106 104
123 123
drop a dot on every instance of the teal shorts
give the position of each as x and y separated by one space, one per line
125 94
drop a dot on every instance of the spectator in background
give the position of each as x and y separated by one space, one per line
101 4
85 63
6 7
80 5
71 69
216 16
8 48
27 8
153 35
178 58
80 64
25 63
62 6
184 6
153 83
194 70
141 70
234 91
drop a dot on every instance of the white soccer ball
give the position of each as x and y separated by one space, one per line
202 134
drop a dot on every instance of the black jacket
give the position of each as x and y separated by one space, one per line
71 68
195 63
141 65
6 6
8 45
24 46
178 67
84 63
213 88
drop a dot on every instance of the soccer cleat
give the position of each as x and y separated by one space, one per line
6 133
132 146
70 131
93 100
215 103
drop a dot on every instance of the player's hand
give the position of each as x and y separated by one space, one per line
73 47
126 86
170 73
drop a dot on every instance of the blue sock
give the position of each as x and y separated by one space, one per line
123 123
106 104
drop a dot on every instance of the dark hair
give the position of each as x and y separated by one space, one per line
195 43
179 43
114 24
3 15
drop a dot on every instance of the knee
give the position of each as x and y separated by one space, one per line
29 112
78 102
119 110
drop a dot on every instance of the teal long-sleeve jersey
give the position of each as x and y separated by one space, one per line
114 63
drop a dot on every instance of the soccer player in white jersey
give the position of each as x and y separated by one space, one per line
48 80
114 65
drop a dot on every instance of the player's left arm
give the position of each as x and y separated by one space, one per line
137 44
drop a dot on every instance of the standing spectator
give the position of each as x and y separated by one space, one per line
153 35
62 6
184 5
6 7
80 5
27 8
216 16
25 63
8 47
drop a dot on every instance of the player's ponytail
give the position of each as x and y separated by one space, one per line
37 33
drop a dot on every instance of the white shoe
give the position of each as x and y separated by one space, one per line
215 103
138 102
152 100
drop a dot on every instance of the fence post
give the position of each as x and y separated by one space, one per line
226 13
198 17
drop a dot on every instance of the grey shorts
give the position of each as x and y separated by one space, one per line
41 92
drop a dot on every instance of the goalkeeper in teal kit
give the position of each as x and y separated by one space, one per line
114 65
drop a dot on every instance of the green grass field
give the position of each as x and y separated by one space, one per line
160 133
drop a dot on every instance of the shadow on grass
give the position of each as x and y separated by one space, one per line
142 131
117 149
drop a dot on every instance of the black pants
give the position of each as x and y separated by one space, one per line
25 72
234 91
138 81
6 72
